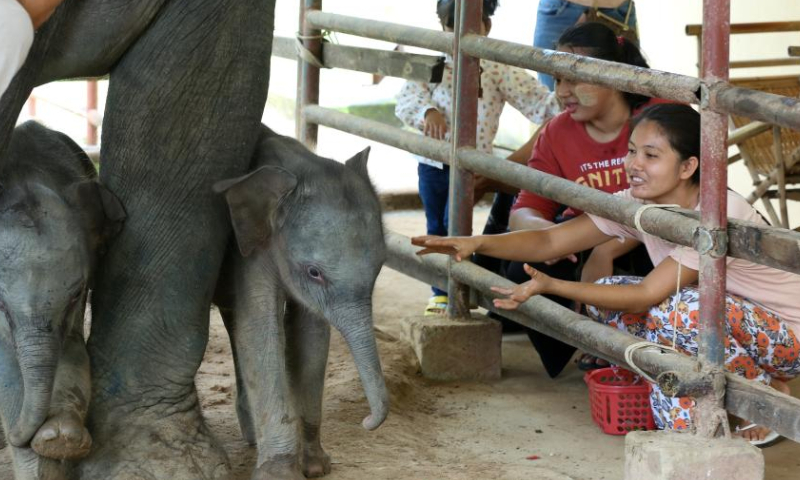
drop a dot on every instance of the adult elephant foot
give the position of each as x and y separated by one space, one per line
62 437
146 446
316 463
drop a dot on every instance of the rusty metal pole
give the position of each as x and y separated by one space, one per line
466 91
91 112
712 238
714 178
308 76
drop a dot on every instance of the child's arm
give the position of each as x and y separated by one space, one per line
413 102
572 236
523 92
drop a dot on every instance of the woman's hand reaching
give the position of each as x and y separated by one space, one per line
522 292
460 248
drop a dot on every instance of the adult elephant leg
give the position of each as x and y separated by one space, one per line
182 113
308 340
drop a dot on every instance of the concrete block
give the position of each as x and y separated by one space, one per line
463 349
682 456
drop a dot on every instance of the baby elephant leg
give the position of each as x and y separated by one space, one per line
63 436
308 340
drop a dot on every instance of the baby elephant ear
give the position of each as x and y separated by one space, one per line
359 163
253 200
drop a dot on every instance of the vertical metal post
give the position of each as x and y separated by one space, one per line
714 180
468 21
308 76
91 112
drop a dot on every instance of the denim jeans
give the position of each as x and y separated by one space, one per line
434 185
555 16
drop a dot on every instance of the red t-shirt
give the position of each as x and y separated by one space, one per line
566 150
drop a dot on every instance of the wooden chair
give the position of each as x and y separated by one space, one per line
770 153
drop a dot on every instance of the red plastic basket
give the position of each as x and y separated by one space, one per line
620 400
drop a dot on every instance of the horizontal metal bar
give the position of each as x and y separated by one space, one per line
767 107
616 75
388 32
744 398
284 47
766 62
412 142
772 246
410 66
721 97
696 30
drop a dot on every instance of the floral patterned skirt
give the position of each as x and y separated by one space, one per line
758 344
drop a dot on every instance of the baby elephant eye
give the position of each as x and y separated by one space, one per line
314 273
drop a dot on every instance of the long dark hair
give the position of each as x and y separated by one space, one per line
446 9
599 41
680 124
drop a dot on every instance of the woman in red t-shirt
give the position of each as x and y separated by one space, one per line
587 144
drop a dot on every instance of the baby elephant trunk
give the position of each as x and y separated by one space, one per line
357 332
38 350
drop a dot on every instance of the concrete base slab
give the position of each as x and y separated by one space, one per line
464 349
682 456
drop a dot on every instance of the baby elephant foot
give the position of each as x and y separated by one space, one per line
316 463
278 470
62 437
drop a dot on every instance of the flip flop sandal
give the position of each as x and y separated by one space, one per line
437 305
588 362
770 439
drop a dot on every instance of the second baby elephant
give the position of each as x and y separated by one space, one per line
55 220
310 246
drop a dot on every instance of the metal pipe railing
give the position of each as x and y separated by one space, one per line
386 31
744 398
721 97
772 246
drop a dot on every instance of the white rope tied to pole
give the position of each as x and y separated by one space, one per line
306 54
631 349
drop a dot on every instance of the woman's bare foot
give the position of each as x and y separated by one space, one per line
758 433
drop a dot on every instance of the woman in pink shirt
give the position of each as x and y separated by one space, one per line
663 166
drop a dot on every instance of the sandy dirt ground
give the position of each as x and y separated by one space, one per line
524 426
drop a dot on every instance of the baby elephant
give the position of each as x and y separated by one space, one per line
55 220
310 246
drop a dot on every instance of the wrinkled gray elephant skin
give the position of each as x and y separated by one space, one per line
55 220
188 85
310 246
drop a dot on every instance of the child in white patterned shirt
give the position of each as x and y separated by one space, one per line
429 108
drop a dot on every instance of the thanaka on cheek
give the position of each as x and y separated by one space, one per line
586 97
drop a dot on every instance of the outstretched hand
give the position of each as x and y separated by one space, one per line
514 297
458 247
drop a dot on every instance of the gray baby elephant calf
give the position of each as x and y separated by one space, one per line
55 220
310 246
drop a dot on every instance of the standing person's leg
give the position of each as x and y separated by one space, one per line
16 38
433 189
552 18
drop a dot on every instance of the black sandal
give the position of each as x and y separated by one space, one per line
588 362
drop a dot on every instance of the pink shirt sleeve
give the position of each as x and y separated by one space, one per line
612 228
